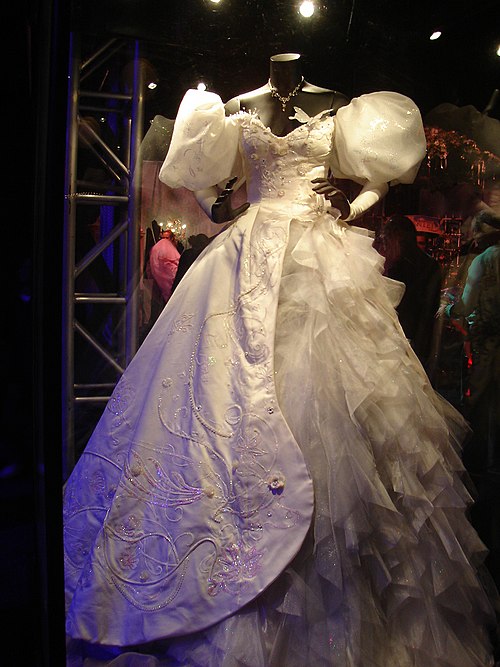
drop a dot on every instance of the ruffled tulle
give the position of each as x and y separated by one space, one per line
392 544
387 575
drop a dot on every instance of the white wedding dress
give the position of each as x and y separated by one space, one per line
274 482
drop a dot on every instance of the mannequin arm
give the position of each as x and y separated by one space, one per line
368 197
217 205
206 199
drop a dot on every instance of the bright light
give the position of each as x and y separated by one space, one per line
307 8
152 85
215 2
435 35
201 86
498 50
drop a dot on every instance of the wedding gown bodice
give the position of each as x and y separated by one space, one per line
282 167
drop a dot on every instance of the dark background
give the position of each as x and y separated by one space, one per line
354 46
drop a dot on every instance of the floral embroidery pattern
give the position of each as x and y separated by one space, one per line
183 324
128 560
122 397
238 564
97 482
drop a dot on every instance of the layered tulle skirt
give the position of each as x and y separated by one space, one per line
388 574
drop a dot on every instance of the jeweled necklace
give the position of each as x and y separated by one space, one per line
287 98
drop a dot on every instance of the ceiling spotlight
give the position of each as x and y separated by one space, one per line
201 86
498 50
215 2
435 35
307 8
152 85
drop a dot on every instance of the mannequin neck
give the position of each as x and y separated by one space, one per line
285 72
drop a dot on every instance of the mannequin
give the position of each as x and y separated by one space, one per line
285 76
274 103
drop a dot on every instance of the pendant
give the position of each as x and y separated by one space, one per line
287 98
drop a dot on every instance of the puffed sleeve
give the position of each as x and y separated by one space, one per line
204 146
379 137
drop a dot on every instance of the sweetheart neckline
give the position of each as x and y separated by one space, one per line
310 119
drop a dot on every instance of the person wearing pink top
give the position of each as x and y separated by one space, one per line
163 262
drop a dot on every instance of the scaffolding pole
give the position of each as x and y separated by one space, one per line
123 239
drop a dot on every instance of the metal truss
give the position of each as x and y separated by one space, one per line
101 230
